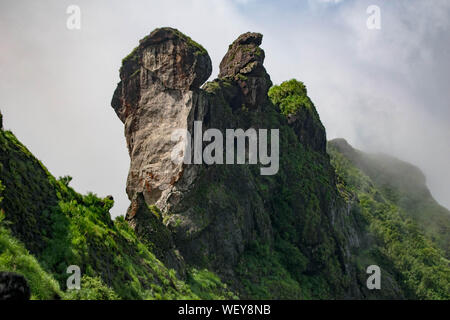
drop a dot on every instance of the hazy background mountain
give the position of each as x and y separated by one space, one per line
385 90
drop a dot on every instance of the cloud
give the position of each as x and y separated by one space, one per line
315 3
328 1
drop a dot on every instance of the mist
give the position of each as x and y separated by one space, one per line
384 90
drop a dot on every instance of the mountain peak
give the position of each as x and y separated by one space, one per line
243 63
241 53
341 145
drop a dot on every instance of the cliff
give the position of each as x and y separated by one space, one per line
410 248
404 185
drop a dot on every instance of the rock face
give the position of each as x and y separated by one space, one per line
222 216
292 98
13 287
157 94
244 64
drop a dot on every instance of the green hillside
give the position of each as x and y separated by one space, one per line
408 253
319 223
46 226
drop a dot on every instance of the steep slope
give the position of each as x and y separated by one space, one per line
301 226
269 236
404 185
45 226
391 237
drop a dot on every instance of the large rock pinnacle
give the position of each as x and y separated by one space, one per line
206 215
158 94
166 59
159 87
244 63
243 51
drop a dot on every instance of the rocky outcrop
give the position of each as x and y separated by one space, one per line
244 64
156 95
221 216
292 99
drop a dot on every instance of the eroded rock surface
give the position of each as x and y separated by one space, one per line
158 91
222 217
244 63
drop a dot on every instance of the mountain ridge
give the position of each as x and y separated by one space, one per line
218 231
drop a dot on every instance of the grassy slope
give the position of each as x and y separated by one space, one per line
60 227
14 257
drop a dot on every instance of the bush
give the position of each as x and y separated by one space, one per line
92 288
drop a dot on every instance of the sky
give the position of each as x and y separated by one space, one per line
383 90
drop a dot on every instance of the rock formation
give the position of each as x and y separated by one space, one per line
309 231
217 216
244 64
158 91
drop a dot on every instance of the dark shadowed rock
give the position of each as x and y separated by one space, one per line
243 51
244 63
13 287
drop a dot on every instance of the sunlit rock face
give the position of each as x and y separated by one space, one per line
158 91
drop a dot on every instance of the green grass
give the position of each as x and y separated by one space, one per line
15 258
207 285
92 289
47 226
84 235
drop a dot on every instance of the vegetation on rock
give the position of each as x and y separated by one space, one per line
114 263
308 232
420 266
